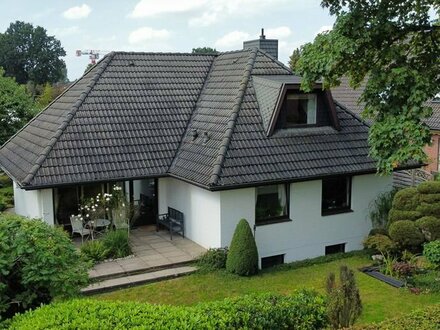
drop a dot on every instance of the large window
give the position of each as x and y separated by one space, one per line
272 203
300 109
336 195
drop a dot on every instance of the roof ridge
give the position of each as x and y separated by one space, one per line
232 119
192 116
105 61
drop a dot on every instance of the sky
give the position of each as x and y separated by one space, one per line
167 25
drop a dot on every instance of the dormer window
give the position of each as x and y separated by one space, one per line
300 109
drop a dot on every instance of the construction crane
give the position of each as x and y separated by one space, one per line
93 54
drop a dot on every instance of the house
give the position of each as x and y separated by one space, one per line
218 137
349 97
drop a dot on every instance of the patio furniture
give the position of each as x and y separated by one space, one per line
78 227
97 225
173 221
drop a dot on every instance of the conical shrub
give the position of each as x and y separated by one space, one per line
243 254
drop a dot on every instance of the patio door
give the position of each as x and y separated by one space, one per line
144 194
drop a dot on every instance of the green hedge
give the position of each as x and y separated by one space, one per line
429 187
430 227
398 215
304 310
406 199
406 234
426 319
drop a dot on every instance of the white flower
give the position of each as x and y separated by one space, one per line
123 204
106 208
87 215
107 199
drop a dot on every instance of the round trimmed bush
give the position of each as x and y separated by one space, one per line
406 234
429 198
397 215
426 209
429 187
406 199
243 254
430 227
37 263
380 243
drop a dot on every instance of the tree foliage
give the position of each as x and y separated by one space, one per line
29 54
294 58
393 45
16 107
204 50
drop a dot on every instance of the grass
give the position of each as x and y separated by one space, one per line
380 300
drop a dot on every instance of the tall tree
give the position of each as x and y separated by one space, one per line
393 45
29 54
16 107
204 50
294 58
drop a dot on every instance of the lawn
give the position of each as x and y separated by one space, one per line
379 299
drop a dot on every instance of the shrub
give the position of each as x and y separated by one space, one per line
429 198
430 227
431 251
421 319
304 310
379 209
379 243
429 187
94 251
380 231
344 304
405 234
406 199
429 280
213 259
243 254
37 263
403 269
426 209
398 215
117 243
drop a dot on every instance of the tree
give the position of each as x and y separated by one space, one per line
293 59
204 50
16 107
88 67
242 258
394 46
29 54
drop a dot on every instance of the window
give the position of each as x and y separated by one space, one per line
272 203
272 261
300 109
337 248
336 195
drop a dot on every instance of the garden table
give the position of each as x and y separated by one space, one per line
97 225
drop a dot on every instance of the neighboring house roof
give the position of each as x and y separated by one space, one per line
197 117
348 97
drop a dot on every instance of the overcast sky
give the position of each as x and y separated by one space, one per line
167 25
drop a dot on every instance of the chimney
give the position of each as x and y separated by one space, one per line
269 46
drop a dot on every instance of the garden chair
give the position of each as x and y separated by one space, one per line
78 227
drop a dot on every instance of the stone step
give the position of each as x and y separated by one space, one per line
133 280
95 276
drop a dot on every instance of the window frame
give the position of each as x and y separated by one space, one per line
276 219
301 96
338 210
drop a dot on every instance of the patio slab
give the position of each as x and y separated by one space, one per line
152 251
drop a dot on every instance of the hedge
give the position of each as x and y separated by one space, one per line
398 215
406 234
304 310
406 199
426 319
429 187
430 227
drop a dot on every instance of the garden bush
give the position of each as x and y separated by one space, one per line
429 187
380 231
406 199
304 310
380 243
426 319
213 259
243 254
406 234
398 215
37 263
117 243
94 251
344 304
430 227
429 280
431 251
379 209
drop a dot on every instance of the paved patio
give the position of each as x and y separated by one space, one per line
152 250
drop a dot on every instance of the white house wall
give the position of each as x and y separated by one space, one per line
34 203
308 233
201 209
